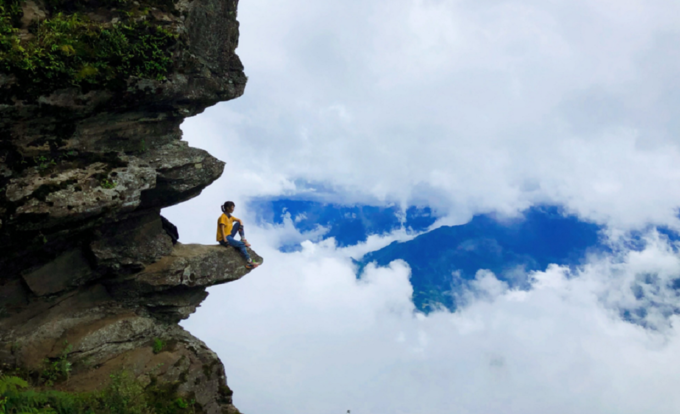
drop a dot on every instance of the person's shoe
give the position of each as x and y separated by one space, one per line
252 265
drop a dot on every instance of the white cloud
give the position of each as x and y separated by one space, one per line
301 334
466 106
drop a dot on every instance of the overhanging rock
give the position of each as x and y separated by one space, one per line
172 287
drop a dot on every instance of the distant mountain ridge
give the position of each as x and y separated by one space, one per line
446 258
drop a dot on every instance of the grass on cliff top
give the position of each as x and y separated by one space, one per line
123 395
68 50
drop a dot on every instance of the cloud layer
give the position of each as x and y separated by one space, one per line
303 335
465 106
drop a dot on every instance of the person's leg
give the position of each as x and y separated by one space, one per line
239 245
238 228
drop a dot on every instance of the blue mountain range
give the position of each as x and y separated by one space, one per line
444 260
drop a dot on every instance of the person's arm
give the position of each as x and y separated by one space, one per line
223 228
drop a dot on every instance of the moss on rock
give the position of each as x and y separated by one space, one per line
72 50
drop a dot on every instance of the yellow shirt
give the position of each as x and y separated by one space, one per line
228 223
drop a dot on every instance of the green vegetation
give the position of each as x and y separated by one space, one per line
142 146
41 238
71 50
43 162
158 345
123 395
106 183
163 399
10 15
208 369
57 369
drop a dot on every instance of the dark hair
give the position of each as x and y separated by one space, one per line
227 205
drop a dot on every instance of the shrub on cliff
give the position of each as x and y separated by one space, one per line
72 50
123 395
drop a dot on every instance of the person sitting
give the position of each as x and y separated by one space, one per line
227 227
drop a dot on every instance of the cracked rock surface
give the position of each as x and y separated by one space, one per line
111 324
86 257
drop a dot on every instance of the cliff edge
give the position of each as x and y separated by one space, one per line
92 93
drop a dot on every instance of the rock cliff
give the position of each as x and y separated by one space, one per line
92 93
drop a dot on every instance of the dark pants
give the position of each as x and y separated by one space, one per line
235 243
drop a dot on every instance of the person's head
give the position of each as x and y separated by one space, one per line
228 207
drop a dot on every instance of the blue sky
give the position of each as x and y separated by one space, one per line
347 224
516 161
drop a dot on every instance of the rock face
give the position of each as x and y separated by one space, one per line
112 323
85 168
